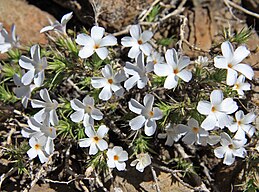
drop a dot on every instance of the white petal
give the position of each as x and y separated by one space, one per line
86 52
66 18
123 156
228 106
219 152
37 104
47 28
53 117
146 36
171 81
40 116
107 71
135 106
185 75
89 131
246 70
111 163
102 145
26 63
233 127
106 93
240 53
109 40
162 69
135 31
158 114
77 105
97 114
86 40
227 50
229 158
209 123
93 149
39 78
189 138
49 147
240 134
150 127
183 62
43 158
86 142
148 102
204 107
97 33
137 122
28 77
239 115
216 97
146 48
180 128
120 166
98 82
77 116
32 153
131 82
45 95
134 52
223 120
102 52
249 129
171 57
221 62
231 77
213 139
127 41
241 152
102 131
249 118
193 123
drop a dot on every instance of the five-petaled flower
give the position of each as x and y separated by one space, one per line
242 125
37 148
240 86
7 41
153 59
57 26
95 43
230 148
143 160
116 158
110 82
139 73
138 41
49 108
174 69
95 139
35 65
231 61
85 111
216 110
147 115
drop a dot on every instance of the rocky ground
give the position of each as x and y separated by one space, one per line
205 21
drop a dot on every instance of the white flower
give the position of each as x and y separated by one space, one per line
240 86
95 139
153 59
138 41
242 124
85 111
172 135
49 108
37 149
116 158
57 26
231 61
147 115
230 148
139 73
7 41
174 69
22 91
109 82
143 160
216 110
202 61
95 43
36 67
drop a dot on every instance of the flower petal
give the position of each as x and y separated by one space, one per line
146 48
135 106
102 52
249 118
183 62
96 114
127 41
109 40
131 82
228 106
28 77
216 97
246 70
209 123
93 149
86 52
102 131
231 76
220 62
219 152
185 75
171 57
240 54
227 50
229 158
171 81
97 33
106 93
98 82
102 145
189 138
77 116
162 69
204 107
146 36
135 31
86 40
134 52
120 166
150 127
137 122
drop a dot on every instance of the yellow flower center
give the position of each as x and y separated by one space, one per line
96 139
195 129
239 123
96 46
116 157
151 113
37 146
155 61
175 71
230 65
213 109
140 42
110 81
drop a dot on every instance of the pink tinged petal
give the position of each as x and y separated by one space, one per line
135 31
109 40
102 131
189 138
146 36
111 163
204 107
47 28
134 51
229 158
171 58
28 77
98 82
86 40
93 149
228 106
240 54
185 75
123 156
32 153
219 152
231 76
39 78
102 52
150 127
158 114
249 118
216 97
106 93
77 116
183 62
66 18
227 50
146 48
127 41
137 122
86 52
97 33
171 81
96 114
162 69
245 69
241 152
85 142
223 120
102 145
135 106
221 62
131 82
120 166
209 123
